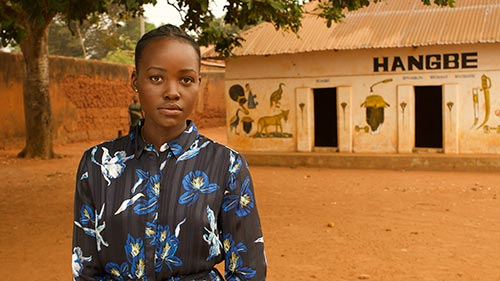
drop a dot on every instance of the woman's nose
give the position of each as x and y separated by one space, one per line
171 91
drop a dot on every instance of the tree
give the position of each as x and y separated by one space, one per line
62 42
26 22
106 37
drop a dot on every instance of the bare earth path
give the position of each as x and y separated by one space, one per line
319 224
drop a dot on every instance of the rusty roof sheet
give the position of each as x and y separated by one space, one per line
386 24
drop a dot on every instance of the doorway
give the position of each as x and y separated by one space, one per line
325 117
429 117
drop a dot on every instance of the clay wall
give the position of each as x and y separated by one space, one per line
90 98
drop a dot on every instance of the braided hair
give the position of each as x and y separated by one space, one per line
164 31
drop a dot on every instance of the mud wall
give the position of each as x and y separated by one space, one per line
89 100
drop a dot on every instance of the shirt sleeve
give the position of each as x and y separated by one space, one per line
242 233
85 258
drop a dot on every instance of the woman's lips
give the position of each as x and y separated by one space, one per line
170 109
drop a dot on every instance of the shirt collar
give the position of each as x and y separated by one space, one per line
175 147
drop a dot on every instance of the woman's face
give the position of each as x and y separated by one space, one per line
168 80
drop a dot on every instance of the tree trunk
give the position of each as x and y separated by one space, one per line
37 110
80 38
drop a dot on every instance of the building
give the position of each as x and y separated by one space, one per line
394 77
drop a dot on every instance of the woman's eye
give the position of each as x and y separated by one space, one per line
187 80
156 79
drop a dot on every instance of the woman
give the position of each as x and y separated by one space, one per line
164 202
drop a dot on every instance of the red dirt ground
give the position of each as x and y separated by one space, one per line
319 224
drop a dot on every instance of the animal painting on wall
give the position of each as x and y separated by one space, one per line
267 123
268 126
238 94
275 98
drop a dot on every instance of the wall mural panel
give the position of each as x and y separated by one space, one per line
374 104
375 110
485 88
269 125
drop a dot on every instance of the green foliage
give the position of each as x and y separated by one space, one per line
8 33
19 17
102 20
222 34
450 3
241 14
120 56
111 35
107 38
62 42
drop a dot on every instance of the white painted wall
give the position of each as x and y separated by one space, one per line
352 73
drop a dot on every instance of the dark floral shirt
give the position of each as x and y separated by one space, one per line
172 214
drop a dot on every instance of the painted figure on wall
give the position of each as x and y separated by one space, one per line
485 88
247 101
272 121
247 124
276 96
234 122
237 94
475 104
252 102
375 105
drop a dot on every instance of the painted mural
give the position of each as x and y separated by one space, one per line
275 98
374 105
237 94
485 88
269 125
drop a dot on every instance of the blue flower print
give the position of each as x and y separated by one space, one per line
192 129
134 248
94 229
111 167
132 135
194 183
151 148
77 261
134 269
229 244
117 272
86 215
193 150
212 237
144 203
235 271
151 230
152 187
234 169
85 176
214 276
167 247
175 148
243 203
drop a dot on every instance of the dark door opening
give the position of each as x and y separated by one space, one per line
428 117
325 117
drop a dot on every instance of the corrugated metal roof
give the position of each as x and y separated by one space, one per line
386 24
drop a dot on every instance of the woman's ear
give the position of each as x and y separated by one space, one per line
134 81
